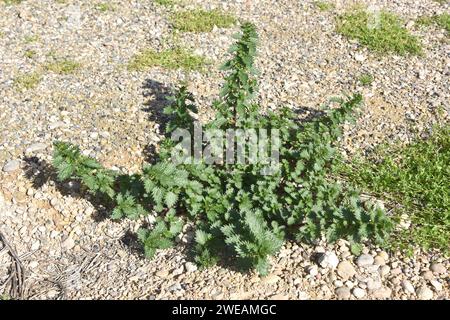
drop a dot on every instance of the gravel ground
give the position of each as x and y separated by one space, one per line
68 248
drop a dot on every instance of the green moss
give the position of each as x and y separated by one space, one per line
31 39
63 66
177 58
366 79
386 36
324 5
201 20
103 7
27 80
29 54
165 2
10 2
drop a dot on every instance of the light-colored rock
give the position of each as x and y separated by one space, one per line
11 165
345 270
438 268
382 293
424 293
373 284
190 267
384 270
437 285
328 260
359 293
359 57
178 271
364 260
36 245
427 275
343 293
175 287
379 261
35 147
408 287
384 255
162 273
68 244
312 270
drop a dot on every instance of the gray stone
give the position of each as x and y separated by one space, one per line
438 268
35 147
408 287
175 287
343 293
364 260
424 293
11 165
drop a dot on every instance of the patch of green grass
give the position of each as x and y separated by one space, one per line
4 297
415 181
384 33
442 20
63 66
201 20
177 58
26 81
104 7
10 2
365 79
165 2
31 39
324 5
29 54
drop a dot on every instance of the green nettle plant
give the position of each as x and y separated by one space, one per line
238 212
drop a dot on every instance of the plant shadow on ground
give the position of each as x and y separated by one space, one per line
156 95
40 172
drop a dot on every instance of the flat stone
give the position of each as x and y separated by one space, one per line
35 147
359 293
69 243
438 268
175 287
424 293
382 293
343 293
437 285
345 270
379 261
328 260
428 275
162 273
384 270
364 260
190 267
11 165
408 287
